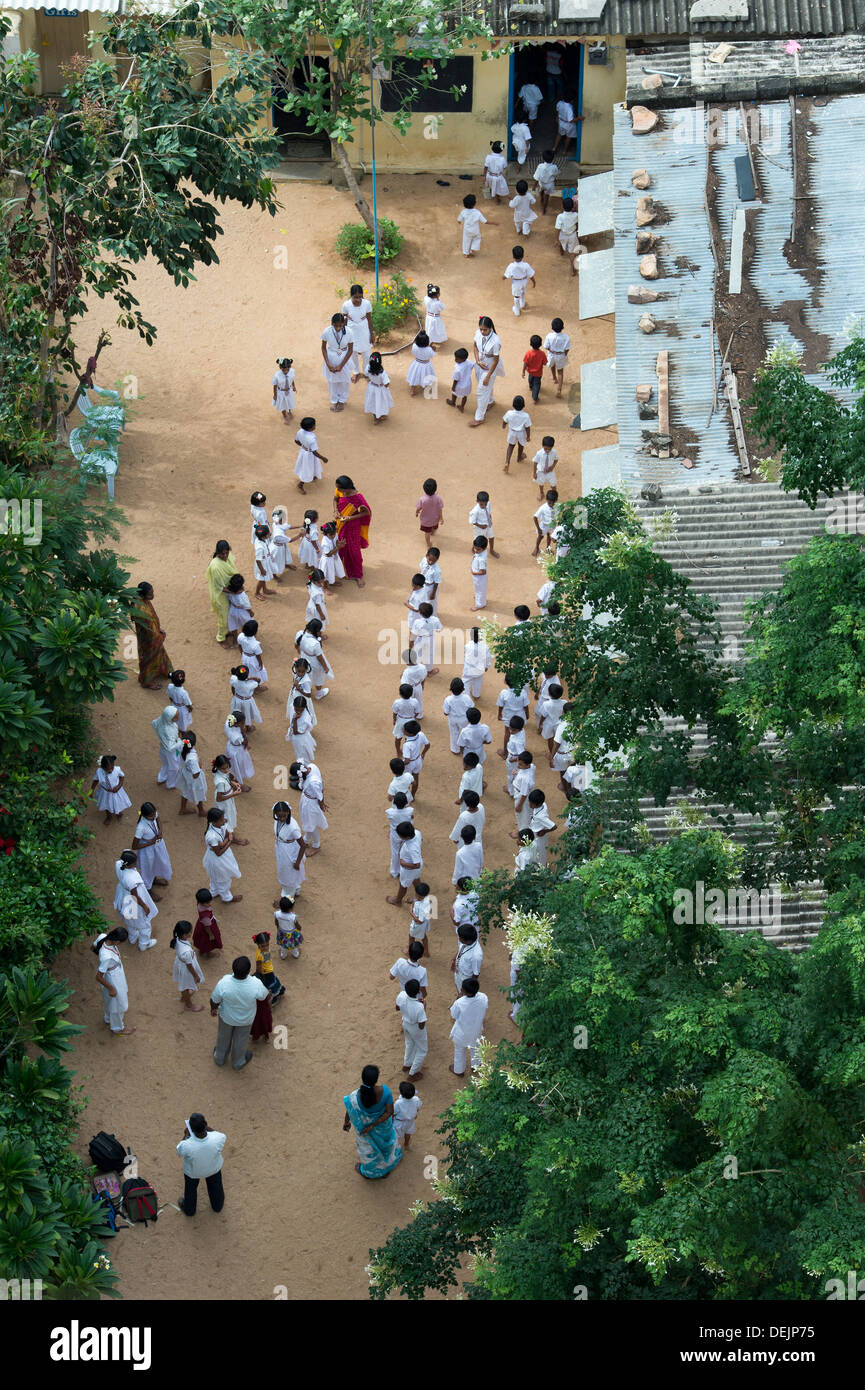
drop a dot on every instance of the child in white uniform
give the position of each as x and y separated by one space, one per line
239 607
309 552
414 1027
308 644
430 568
461 380
133 901
472 219
258 512
481 518
518 424
434 324
544 466
399 811
186 970
263 562
220 868
312 803
474 735
191 781
423 631
308 464
226 790
283 387
237 749
336 351
404 707
515 745
549 713
521 135
545 520
469 857
414 674
473 814
495 165
479 573
165 728
243 687
358 317
522 206
288 933
178 696
476 662
280 543
557 345
545 177
455 707
405 1109
519 272
110 796
300 729
378 398
468 1013
252 653
154 864
530 97
331 564
421 373
316 607
472 779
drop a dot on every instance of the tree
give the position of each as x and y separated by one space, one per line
336 99
681 1119
129 162
821 442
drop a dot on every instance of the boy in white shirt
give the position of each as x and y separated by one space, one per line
421 916
414 750
481 518
544 465
522 137
522 206
468 1013
423 629
463 376
566 226
567 123
521 788
397 813
473 814
410 860
525 856
464 911
400 781
475 734
515 745
404 708
414 674
469 857
413 1016
545 594
545 177
471 218
405 1109
542 823
415 598
469 958
472 779
411 969
479 573
557 345
509 703
455 707
430 568
530 97
549 711
545 520
518 424
519 272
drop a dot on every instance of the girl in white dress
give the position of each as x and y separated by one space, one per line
154 865
289 848
263 561
495 165
237 749
378 399
336 351
421 373
110 796
258 512
243 687
316 606
301 684
521 135
309 460
312 803
111 978
476 662
283 387
331 564
310 548
219 862
226 790
191 780
239 607
187 972
178 696
434 323
280 543
300 729
133 901
169 746
308 644
358 316
252 653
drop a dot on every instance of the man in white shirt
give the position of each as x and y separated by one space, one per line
234 999
468 1013
201 1150
414 1028
468 960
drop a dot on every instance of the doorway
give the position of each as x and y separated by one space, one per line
296 138
59 38
530 65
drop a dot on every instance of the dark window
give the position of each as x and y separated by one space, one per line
405 91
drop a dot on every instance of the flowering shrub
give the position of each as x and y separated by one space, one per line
394 304
355 243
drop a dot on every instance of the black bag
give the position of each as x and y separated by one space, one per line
106 1153
139 1201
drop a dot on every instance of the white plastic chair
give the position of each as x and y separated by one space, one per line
97 456
110 417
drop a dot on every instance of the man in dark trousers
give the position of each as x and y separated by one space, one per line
201 1150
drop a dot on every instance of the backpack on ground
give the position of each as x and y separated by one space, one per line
139 1201
106 1152
109 1216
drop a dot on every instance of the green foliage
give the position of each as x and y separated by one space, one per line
678 1121
354 242
394 304
821 443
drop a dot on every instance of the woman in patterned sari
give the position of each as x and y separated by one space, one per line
153 660
370 1110
353 516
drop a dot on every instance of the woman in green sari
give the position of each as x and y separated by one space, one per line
153 660
219 571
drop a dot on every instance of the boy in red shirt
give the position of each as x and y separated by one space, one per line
430 508
533 365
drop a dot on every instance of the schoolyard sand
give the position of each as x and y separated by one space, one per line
298 1221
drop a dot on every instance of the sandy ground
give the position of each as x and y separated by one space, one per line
299 1222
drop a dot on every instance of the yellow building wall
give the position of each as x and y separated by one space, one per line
603 86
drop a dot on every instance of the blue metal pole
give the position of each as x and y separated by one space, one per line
372 129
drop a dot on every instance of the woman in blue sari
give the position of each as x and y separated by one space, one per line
370 1110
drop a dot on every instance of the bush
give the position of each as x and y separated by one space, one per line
394 304
355 242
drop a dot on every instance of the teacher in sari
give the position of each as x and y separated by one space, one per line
219 571
370 1110
353 517
153 660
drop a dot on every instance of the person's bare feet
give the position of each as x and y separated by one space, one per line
194 1008
153 685
417 1076
157 897
462 408
187 811
162 882
406 1068
477 607
473 424
433 671
361 583
123 1032
394 902
238 898
450 402
314 849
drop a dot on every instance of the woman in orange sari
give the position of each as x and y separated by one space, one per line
153 660
353 517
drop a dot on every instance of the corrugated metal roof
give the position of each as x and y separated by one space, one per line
756 69
783 18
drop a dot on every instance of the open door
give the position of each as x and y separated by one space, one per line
529 66
298 141
59 38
